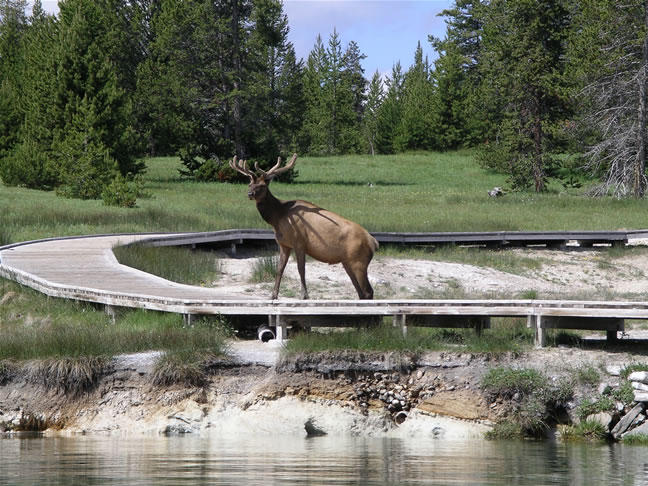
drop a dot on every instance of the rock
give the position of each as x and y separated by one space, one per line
641 429
641 376
640 396
613 370
603 418
627 420
603 388
637 385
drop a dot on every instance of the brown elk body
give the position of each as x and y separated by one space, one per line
310 230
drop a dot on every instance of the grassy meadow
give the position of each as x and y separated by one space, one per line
410 192
407 192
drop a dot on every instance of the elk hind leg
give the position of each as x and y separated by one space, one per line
284 254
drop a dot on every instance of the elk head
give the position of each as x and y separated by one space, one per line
259 182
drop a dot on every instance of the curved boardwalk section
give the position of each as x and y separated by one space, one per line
85 268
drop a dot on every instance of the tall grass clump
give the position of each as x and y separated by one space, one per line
68 375
184 367
264 269
177 264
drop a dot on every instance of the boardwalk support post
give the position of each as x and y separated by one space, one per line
281 328
534 322
400 320
111 311
187 320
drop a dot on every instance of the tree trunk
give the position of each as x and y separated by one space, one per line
639 173
538 173
238 74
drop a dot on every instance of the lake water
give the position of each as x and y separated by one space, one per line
187 460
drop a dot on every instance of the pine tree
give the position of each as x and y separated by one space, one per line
87 84
522 67
390 113
371 109
13 27
26 160
450 110
609 52
274 109
317 117
458 110
416 131
334 88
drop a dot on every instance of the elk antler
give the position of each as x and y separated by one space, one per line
277 169
241 166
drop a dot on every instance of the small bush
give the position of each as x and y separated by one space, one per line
120 192
534 398
590 407
507 382
624 393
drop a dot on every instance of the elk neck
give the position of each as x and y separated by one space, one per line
270 208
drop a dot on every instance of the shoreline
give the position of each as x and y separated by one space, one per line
436 394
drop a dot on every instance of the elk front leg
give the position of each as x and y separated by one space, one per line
301 267
284 254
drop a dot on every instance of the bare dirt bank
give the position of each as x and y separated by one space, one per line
435 394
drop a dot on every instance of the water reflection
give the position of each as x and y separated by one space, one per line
319 461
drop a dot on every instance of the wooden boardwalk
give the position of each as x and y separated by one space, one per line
85 268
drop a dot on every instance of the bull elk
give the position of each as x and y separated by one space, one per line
310 230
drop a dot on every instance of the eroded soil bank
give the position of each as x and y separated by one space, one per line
434 394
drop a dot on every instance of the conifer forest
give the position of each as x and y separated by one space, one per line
538 88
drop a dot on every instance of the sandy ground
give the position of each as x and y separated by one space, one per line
575 273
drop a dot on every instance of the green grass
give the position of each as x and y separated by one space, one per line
506 336
636 439
178 264
33 326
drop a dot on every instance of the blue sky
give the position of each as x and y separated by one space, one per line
385 30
